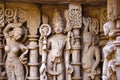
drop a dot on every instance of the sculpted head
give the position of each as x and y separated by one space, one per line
17 33
57 22
87 38
109 29
16 30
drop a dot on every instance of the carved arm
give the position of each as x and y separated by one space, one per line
97 57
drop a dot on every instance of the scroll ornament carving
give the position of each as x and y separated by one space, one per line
52 61
13 32
90 51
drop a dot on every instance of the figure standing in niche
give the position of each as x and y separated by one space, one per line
52 57
15 70
91 54
109 72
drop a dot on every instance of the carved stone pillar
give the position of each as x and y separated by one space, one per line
1 51
1 38
33 60
113 9
76 54
75 20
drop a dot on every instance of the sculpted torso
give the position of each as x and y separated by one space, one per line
88 57
15 52
56 45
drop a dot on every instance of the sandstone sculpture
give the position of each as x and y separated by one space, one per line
91 54
37 43
109 72
52 55
14 48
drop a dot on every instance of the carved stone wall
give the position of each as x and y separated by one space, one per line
59 40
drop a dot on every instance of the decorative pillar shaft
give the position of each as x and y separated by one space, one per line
33 58
76 55
1 53
75 21
113 9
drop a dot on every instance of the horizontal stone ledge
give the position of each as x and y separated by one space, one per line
60 1
33 78
76 78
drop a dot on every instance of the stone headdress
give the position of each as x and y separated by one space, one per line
57 19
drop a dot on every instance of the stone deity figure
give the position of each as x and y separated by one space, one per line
91 55
109 72
15 51
52 57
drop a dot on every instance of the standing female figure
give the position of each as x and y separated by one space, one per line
15 51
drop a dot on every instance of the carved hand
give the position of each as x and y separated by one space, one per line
86 21
22 59
42 68
92 74
69 68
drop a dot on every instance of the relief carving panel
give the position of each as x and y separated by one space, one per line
65 41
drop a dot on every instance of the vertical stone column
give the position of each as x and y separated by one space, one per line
76 54
1 51
75 21
1 38
33 57
113 9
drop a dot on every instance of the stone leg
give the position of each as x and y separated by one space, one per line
60 68
19 71
49 67
118 72
9 74
85 76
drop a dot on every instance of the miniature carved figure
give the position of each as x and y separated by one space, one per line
91 54
52 60
15 70
109 72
